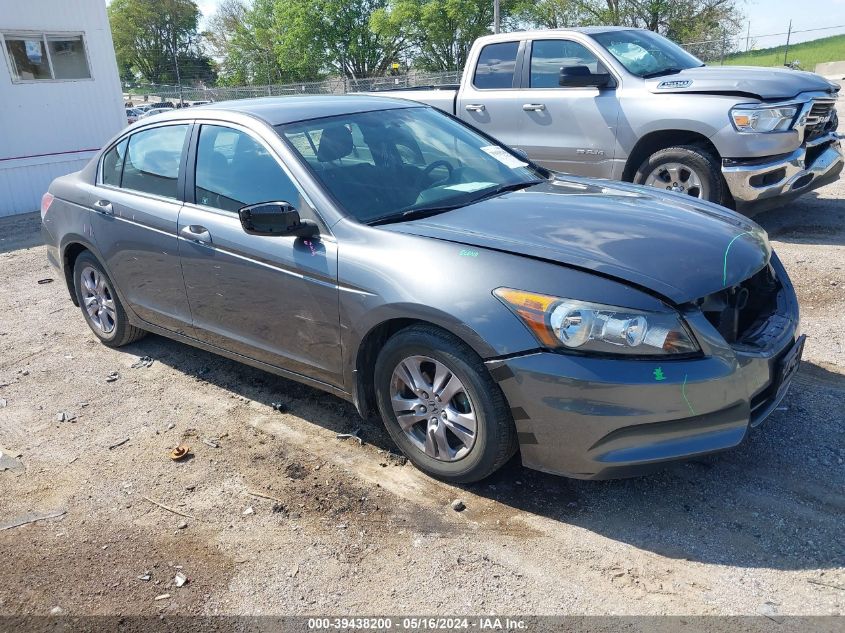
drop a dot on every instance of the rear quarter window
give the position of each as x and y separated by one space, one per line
113 164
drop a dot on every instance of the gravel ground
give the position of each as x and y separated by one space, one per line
275 515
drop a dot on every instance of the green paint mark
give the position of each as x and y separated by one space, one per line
468 253
684 394
659 375
725 265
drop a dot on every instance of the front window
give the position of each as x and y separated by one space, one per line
234 170
42 57
645 53
396 164
548 57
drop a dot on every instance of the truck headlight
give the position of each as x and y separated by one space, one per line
560 323
751 119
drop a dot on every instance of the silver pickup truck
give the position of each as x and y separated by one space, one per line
628 104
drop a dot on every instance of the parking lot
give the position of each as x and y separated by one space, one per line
274 514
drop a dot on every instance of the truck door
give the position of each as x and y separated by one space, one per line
490 98
566 128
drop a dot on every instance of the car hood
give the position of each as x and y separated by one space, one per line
671 245
763 83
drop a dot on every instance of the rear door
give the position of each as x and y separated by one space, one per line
562 128
490 98
137 203
270 298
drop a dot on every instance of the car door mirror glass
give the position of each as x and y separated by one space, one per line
275 218
581 77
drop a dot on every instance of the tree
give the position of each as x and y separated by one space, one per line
336 35
439 33
152 38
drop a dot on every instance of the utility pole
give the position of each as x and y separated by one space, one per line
496 17
748 36
178 77
788 35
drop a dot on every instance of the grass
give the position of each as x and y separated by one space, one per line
826 49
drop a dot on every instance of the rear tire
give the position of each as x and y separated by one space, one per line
100 305
436 433
686 169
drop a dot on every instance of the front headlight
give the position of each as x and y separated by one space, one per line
594 327
749 119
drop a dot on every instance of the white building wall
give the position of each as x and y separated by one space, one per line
51 128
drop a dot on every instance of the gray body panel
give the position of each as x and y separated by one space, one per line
305 309
597 132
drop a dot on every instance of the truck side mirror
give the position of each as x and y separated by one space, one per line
275 218
581 77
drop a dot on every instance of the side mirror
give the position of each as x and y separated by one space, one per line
275 218
581 77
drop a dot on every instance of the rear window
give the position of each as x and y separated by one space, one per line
496 65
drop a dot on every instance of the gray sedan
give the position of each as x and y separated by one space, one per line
389 254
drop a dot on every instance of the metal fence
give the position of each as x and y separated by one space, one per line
339 85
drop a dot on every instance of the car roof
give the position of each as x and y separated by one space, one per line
280 110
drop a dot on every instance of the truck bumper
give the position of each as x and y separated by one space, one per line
763 183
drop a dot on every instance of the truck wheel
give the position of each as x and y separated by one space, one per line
685 169
441 406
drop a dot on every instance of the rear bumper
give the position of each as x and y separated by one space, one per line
604 418
764 183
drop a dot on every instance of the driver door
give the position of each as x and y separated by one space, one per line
270 298
567 129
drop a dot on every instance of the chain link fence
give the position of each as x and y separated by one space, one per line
335 86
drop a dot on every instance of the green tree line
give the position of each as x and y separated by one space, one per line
282 41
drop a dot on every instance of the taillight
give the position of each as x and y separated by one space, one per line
46 201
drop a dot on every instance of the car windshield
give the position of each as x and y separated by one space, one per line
401 163
645 53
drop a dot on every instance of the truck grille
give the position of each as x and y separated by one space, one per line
741 312
820 120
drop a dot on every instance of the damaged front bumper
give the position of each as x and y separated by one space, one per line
608 417
773 181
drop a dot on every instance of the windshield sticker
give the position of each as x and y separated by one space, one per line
507 159
469 186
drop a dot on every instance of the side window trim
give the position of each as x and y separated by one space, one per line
190 191
180 182
526 67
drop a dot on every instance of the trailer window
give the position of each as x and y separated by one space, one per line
46 57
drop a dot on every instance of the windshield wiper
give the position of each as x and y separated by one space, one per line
424 212
665 71
492 193
415 214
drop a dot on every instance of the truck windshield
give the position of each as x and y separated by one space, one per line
645 53
403 163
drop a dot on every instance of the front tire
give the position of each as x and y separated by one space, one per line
441 407
100 304
685 169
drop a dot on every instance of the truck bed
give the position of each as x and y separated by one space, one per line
441 97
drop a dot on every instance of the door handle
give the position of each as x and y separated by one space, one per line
104 207
475 107
533 107
196 233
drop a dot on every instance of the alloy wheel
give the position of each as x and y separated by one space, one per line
676 177
433 408
98 300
